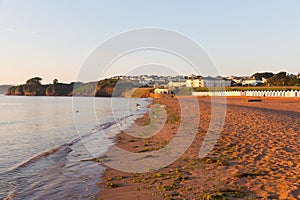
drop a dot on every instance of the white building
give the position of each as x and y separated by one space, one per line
193 83
208 82
264 80
162 91
252 81
236 80
177 84
215 82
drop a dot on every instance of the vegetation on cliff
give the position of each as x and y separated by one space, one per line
265 75
103 88
280 79
33 87
284 79
59 89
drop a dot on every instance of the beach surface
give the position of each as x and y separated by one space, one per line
257 155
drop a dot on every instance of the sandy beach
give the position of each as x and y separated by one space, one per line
257 155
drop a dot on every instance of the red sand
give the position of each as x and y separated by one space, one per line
256 157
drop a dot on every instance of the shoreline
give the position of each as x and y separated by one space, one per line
232 169
135 145
149 97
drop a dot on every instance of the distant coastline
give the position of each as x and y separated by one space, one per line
144 85
102 88
3 89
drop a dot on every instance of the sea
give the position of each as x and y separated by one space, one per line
47 143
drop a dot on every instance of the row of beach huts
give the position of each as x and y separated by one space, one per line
250 93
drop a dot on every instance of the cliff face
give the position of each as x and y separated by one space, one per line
19 90
104 91
34 90
84 89
114 87
59 89
138 92
15 90
102 88
33 87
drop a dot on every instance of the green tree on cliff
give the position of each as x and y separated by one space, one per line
34 87
34 81
55 81
283 79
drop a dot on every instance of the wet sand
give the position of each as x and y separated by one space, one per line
257 155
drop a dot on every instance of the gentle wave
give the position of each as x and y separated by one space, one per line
11 195
65 148
58 172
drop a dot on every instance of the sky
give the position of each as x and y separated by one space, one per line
53 38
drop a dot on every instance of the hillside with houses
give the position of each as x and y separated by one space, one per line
195 81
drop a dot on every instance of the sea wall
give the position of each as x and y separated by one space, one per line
250 93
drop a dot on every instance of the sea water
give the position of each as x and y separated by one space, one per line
46 143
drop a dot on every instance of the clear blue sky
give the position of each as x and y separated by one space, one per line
52 38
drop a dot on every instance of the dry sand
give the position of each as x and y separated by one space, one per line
256 157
